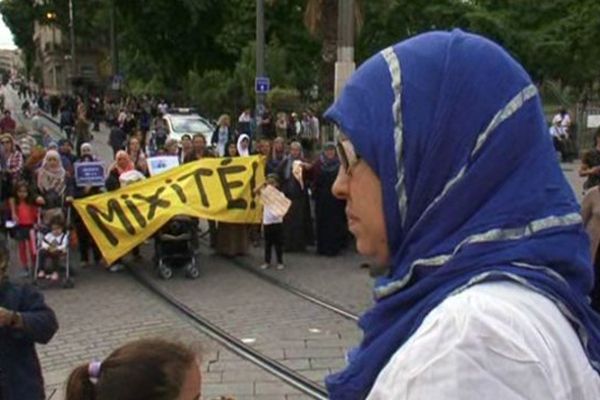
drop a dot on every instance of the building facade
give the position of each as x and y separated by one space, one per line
56 70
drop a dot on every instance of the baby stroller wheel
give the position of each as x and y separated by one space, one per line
164 272
68 284
191 271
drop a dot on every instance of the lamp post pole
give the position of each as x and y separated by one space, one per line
72 40
114 51
344 66
260 54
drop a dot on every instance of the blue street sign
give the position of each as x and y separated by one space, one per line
262 84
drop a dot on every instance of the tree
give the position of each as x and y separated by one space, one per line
19 17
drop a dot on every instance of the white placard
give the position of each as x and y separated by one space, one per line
593 121
157 165
272 197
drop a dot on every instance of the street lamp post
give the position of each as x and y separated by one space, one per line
114 51
344 66
72 40
260 53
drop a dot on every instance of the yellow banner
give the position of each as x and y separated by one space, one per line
220 189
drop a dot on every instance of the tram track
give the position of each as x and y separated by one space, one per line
231 343
306 295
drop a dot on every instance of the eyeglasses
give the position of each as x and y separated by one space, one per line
346 153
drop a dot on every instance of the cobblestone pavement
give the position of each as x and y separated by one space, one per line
106 310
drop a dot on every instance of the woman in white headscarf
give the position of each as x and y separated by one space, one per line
243 145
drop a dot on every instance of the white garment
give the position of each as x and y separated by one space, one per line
270 216
58 242
492 341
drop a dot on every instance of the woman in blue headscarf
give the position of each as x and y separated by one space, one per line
451 183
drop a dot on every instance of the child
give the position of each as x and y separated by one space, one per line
54 246
273 226
24 215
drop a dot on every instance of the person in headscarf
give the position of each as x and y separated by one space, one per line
452 186
232 239
87 153
53 184
297 224
330 217
243 145
222 135
122 166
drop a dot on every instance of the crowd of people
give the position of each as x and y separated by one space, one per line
38 172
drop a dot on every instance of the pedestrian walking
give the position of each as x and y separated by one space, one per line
482 290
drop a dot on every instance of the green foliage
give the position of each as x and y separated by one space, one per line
19 17
284 99
204 49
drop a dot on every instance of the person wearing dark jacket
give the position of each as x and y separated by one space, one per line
117 139
25 320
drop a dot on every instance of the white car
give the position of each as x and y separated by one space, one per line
180 122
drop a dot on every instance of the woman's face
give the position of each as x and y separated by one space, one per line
265 149
232 150
7 145
192 384
199 144
134 145
186 144
278 146
86 151
122 161
53 162
361 189
244 144
330 154
22 192
295 152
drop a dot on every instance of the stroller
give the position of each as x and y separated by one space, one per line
59 261
174 247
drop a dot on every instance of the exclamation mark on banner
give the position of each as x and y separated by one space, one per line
253 184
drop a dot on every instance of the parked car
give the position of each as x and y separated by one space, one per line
183 121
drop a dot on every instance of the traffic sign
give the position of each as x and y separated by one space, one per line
262 84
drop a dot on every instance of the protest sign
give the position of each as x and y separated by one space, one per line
89 173
276 200
160 164
220 189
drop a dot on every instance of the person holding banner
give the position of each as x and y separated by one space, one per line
185 149
198 150
121 166
232 239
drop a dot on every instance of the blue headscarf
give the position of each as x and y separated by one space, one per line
454 129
